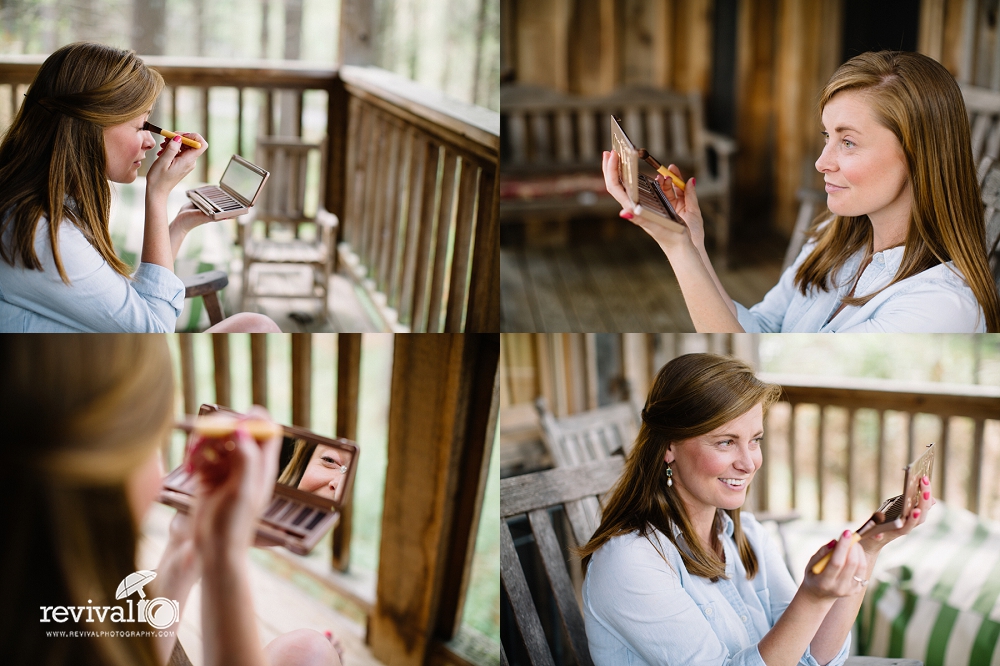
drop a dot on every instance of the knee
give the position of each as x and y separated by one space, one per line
245 322
302 647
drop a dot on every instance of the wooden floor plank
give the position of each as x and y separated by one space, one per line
515 306
552 313
624 284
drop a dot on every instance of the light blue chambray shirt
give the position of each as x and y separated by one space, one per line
97 300
639 609
936 300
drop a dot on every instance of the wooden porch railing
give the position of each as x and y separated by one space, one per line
905 402
411 174
443 403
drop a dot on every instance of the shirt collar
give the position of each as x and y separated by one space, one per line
728 526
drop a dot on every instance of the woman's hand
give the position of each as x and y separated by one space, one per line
174 163
232 495
918 514
843 573
688 209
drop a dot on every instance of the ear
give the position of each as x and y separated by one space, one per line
668 457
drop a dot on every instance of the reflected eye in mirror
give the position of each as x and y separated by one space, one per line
314 467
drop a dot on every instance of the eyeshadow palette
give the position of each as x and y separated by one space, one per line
314 480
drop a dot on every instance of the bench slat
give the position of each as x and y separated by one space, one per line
587 126
519 494
517 133
512 577
562 587
564 137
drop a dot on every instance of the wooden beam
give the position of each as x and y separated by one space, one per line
348 382
186 343
442 419
258 368
220 353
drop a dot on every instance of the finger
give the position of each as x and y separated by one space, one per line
840 552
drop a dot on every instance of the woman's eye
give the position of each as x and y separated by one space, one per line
848 143
726 442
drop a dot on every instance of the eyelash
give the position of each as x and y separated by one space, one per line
729 441
826 139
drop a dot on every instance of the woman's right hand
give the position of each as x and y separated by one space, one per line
175 161
840 578
687 207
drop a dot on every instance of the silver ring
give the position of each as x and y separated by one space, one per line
860 580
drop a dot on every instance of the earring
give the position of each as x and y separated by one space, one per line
670 475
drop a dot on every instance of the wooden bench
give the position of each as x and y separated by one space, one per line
534 495
551 146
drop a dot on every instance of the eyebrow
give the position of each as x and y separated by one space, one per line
732 436
845 128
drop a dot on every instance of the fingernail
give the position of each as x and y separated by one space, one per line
177 137
846 534
692 181
328 633
832 544
927 494
159 153
925 481
627 215
916 513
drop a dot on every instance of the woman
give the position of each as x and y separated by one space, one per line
315 468
675 573
81 125
83 419
905 250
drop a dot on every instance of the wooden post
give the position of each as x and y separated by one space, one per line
301 378
336 155
442 421
356 32
348 381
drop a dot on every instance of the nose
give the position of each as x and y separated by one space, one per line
825 163
147 141
745 462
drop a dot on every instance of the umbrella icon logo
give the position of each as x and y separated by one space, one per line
134 582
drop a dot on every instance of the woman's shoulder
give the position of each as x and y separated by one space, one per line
634 547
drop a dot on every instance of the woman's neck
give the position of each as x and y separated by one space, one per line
890 224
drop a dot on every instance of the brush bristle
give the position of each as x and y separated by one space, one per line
643 154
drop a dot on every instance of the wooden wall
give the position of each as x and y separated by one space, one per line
786 51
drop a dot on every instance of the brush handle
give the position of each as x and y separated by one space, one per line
186 141
819 566
667 173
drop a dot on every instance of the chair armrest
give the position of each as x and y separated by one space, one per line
721 143
205 283
325 218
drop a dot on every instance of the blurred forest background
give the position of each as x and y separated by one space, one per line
448 45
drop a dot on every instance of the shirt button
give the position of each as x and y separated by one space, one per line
743 618
708 611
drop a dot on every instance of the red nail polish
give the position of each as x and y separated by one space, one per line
627 215
916 513
832 544
927 494
925 481
177 137
846 533
692 181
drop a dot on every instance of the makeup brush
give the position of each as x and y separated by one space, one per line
877 518
664 171
220 425
150 127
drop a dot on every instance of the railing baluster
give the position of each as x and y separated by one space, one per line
465 224
372 179
425 245
941 460
269 112
976 468
220 356
299 106
348 382
444 222
820 449
791 454
239 122
258 368
357 142
205 115
173 106
301 379
390 221
911 436
880 465
376 223
763 483
483 309
186 343
401 222
850 464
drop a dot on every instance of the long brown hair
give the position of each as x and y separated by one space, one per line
918 100
78 413
54 149
691 396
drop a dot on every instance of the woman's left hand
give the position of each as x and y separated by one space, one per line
917 516
190 216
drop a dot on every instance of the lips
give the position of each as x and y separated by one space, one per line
831 188
734 484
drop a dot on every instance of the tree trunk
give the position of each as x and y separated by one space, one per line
148 33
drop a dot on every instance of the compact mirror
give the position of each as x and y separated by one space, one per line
314 478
